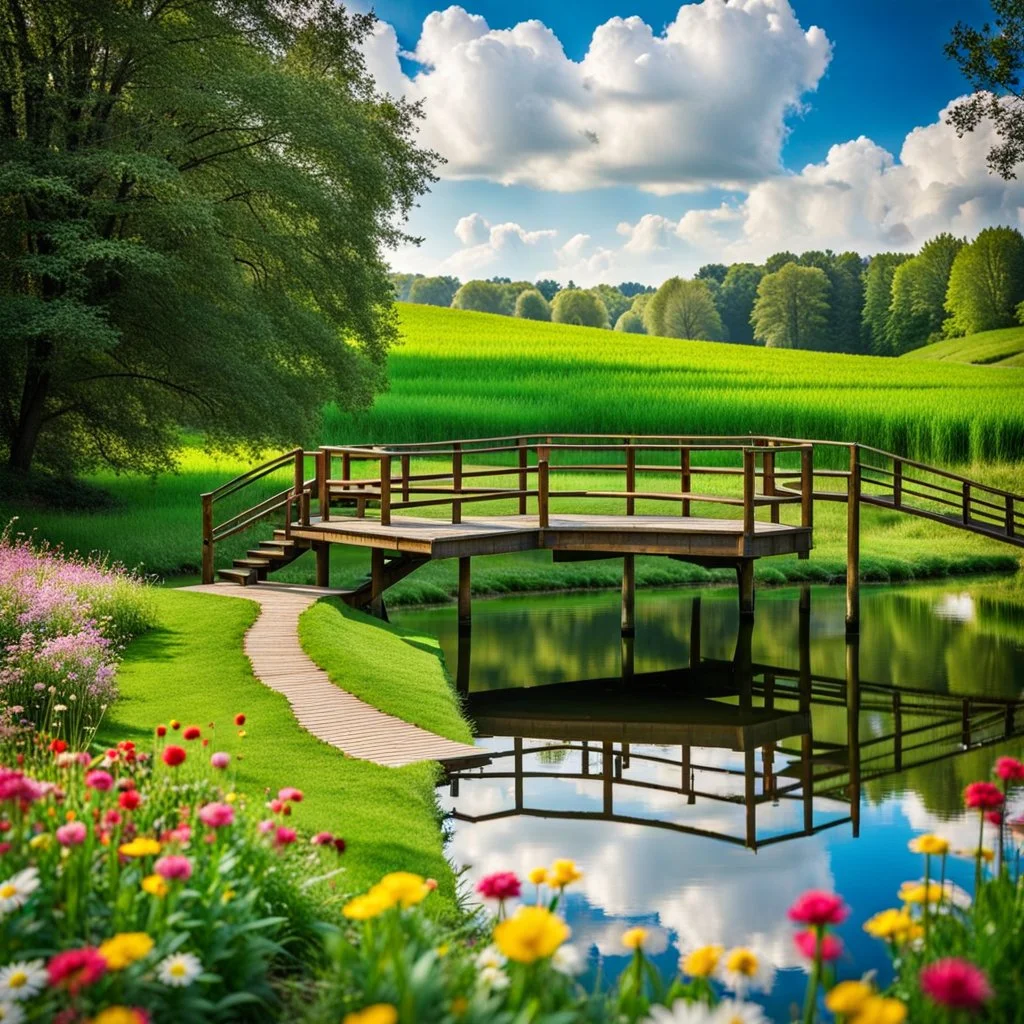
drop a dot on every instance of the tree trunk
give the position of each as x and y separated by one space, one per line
33 404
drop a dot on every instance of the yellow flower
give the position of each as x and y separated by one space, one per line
848 997
442 950
703 962
890 924
930 844
227 895
118 1015
538 876
230 798
564 872
379 1013
634 938
155 885
879 1010
403 887
141 847
362 908
125 949
43 841
742 961
530 934
918 892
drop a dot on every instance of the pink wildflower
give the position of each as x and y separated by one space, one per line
1009 769
956 984
322 839
173 866
72 834
216 815
983 795
220 760
74 969
284 836
501 885
806 943
290 793
818 908
99 780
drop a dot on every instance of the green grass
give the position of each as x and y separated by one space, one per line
1000 348
192 667
404 675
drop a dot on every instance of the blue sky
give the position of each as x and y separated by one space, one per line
875 72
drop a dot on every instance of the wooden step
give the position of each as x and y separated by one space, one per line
271 555
252 563
243 577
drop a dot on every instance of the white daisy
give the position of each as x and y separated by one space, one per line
179 969
493 978
16 890
11 1013
22 980
729 1011
490 957
568 960
682 1012
742 970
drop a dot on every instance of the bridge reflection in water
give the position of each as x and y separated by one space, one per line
737 733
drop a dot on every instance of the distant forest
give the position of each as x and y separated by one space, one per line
885 304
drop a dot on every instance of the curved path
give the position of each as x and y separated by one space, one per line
324 709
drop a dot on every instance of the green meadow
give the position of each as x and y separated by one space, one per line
989 348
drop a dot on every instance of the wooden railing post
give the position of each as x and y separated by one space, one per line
966 503
897 483
806 491
542 487
853 543
768 465
523 481
207 538
1009 515
684 477
456 482
385 490
323 493
405 478
749 479
630 476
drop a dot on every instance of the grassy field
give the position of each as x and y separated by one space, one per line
989 348
192 667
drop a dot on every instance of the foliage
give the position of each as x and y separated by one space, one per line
434 291
641 302
991 59
478 297
614 301
778 260
712 272
917 308
548 288
402 283
531 305
878 280
196 199
631 323
510 292
986 282
633 288
578 307
683 309
846 299
735 301
792 307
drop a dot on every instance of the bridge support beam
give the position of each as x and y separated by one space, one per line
465 602
323 564
377 582
628 595
853 728
853 544
745 580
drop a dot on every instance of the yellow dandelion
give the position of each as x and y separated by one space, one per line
930 844
124 949
155 885
532 933
140 847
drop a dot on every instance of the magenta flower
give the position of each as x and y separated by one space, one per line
322 839
216 815
290 793
983 795
818 908
1009 769
72 834
284 836
501 885
19 787
220 760
956 984
806 943
265 826
173 867
99 780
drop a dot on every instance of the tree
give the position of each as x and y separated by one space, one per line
434 291
712 272
917 307
735 301
478 296
683 309
197 199
778 260
575 306
403 284
630 323
878 299
846 300
614 301
633 288
992 60
986 282
791 310
641 302
531 305
548 288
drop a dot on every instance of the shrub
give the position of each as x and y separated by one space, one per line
630 323
575 306
478 296
531 305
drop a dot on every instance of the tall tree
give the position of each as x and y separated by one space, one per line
434 291
878 298
846 300
531 305
633 288
778 260
479 297
917 307
735 301
548 288
712 272
986 282
683 309
196 198
579 307
614 301
791 310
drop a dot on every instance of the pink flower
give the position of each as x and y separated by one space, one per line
818 908
216 815
16 786
994 817
284 836
265 826
806 943
72 834
502 885
956 984
76 968
99 780
983 795
220 760
173 866
290 793
322 839
1009 769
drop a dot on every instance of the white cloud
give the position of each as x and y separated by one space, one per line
703 103
504 247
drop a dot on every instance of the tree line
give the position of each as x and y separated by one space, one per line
887 304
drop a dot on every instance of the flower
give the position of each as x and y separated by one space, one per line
373 903
22 980
179 969
216 815
161 731
806 943
818 908
633 938
173 866
701 962
74 833
378 1013
191 732
1009 769
731 1011
58 746
848 997
563 872
490 956
530 934
129 799
567 960
538 876
11 1013
742 970
143 846
994 817
121 1015
290 793
493 978
322 839
881 1010
920 892
74 969
155 885
124 949
99 780
173 755
983 795
220 760
403 887
929 844
682 1012
955 983
16 890
175 724
501 885
239 719
896 925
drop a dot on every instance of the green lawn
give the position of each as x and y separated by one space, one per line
192 667
999 348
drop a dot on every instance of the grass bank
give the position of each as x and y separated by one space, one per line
988 348
191 666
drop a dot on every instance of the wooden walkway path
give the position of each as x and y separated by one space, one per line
324 709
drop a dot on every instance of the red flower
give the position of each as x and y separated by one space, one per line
191 732
239 719
5 848
994 817
284 836
129 799
175 724
502 885
322 839
290 793
956 984
806 943
818 908
161 730
99 780
58 746
76 968
1009 769
340 845
173 756
983 795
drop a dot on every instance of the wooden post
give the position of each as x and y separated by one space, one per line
628 595
1009 515
405 478
806 491
684 477
542 487
608 777
768 464
523 476
385 490
323 564
745 581
805 600
377 582
207 538
749 780
323 472
627 656
456 482
517 768
465 606
897 729
897 483
684 767
299 483
749 479
630 476
695 633
462 667
853 728
966 503
853 543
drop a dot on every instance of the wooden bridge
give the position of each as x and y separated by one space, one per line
368 496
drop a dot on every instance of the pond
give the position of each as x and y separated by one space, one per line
707 772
